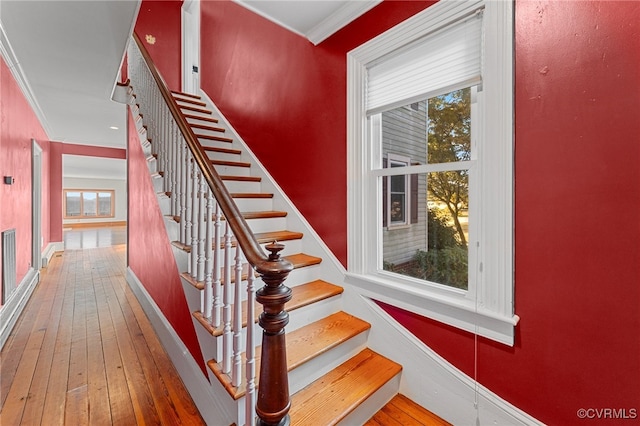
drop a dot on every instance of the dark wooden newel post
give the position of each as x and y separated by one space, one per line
272 405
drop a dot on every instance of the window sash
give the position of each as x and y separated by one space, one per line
439 63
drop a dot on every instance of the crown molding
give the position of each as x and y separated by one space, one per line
342 17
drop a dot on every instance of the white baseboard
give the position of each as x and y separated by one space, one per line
212 410
48 251
10 311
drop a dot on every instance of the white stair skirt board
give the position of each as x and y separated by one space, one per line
10 311
209 399
429 379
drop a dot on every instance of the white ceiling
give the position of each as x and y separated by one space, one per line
67 55
313 19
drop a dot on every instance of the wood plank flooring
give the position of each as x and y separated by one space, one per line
84 353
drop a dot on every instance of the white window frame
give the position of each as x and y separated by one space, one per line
487 308
405 162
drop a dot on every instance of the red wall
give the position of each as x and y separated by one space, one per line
161 20
286 98
149 249
19 126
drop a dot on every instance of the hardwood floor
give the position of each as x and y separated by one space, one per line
84 353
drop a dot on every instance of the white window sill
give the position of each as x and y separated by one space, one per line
448 309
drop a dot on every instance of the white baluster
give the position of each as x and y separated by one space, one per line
195 204
188 205
250 398
208 266
202 226
228 300
217 252
236 375
184 172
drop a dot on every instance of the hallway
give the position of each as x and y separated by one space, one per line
83 351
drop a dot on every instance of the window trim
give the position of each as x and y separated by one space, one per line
406 162
82 215
488 309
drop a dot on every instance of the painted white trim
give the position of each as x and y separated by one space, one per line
339 19
18 74
36 205
190 29
10 311
350 11
192 376
487 308
428 378
49 250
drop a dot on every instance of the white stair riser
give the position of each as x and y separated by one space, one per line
158 184
208 132
232 170
267 224
152 164
322 364
242 186
223 156
216 144
373 404
254 204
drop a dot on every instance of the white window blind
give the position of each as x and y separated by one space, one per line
446 60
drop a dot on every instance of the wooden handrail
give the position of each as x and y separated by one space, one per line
272 405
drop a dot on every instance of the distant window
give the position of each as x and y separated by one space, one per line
398 193
88 203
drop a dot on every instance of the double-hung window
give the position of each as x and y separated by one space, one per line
430 139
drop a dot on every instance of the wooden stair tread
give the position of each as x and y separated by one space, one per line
195 109
214 138
332 397
241 178
298 261
190 101
269 237
189 95
303 345
261 237
251 195
205 127
301 296
401 411
266 214
222 150
230 163
197 117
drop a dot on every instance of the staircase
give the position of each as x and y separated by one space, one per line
333 377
